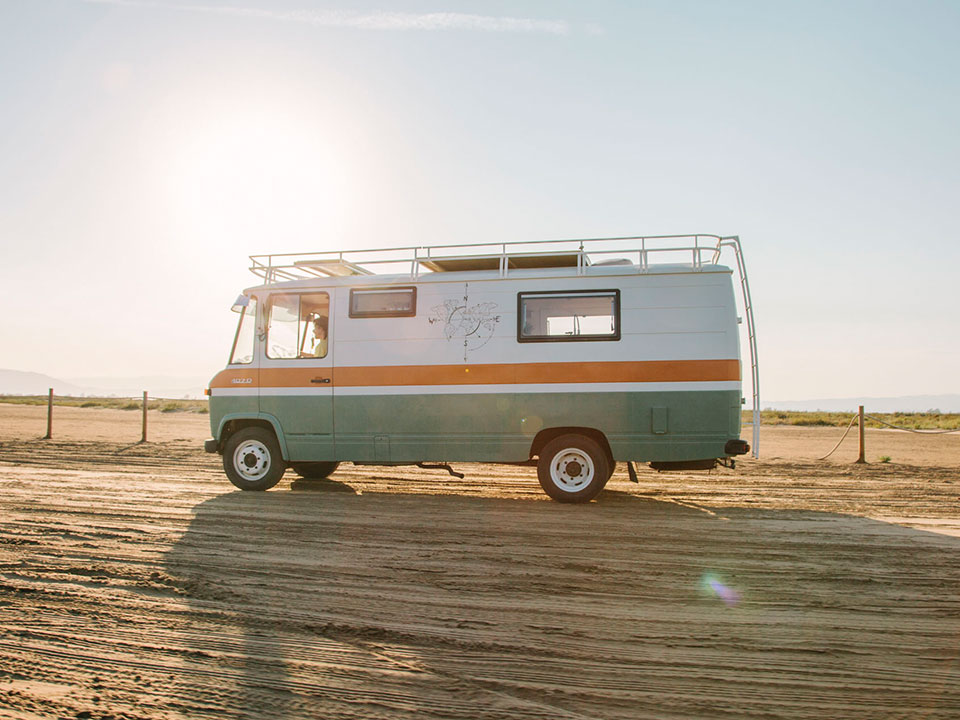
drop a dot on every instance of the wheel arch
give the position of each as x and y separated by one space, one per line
230 424
548 434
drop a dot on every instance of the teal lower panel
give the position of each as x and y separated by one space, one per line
220 407
436 447
665 448
640 426
301 414
309 447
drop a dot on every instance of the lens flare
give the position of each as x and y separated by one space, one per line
712 585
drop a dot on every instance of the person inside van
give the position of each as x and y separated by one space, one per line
320 336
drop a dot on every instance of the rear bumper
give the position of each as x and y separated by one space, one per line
210 445
736 447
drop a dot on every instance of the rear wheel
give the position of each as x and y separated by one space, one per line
612 468
252 459
573 468
315 470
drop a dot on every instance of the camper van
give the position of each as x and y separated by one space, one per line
568 356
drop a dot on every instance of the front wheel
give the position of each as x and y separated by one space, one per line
252 459
573 468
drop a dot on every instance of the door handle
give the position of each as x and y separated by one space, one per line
320 380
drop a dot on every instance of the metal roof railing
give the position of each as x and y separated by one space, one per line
699 249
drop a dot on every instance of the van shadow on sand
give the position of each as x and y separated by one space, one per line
322 602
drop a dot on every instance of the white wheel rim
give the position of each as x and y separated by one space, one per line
572 470
251 460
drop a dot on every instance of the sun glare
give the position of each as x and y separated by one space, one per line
260 173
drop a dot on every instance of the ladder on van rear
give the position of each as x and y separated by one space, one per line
733 242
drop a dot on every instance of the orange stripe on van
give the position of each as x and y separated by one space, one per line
532 373
297 377
491 374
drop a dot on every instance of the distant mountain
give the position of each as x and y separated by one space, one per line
907 403
18 382
156 385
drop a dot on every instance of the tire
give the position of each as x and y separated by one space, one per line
315 470
573 468
612 469
252 459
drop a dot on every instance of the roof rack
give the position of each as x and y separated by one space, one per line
499 257
698 250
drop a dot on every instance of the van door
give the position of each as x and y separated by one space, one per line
296 376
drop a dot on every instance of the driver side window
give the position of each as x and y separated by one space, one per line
292 325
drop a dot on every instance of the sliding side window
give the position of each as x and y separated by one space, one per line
294 319
383 302
568 316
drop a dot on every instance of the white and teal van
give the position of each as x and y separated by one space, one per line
567 355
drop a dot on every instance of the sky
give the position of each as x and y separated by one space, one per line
148 148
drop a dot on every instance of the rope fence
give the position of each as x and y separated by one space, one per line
845 433
859 418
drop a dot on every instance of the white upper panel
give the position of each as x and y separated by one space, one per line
662 317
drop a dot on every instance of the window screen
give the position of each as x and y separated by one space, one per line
568 316
383 302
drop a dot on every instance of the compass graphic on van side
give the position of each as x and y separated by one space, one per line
474 323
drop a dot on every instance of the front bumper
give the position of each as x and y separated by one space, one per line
210 445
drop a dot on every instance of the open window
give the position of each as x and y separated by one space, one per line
568 316
298 325
383 302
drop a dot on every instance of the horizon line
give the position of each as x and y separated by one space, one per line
377 20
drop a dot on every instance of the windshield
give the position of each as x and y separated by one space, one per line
246 333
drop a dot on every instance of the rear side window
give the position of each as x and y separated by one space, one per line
383 302
568 316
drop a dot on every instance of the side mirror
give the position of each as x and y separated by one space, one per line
240 304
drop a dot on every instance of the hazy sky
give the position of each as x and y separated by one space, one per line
147 148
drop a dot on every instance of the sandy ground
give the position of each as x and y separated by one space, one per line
135 582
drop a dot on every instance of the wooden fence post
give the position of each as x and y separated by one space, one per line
144 437
863 445
49 416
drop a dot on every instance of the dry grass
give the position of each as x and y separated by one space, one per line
914 421
161 404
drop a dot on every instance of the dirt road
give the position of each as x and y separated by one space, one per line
136 583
